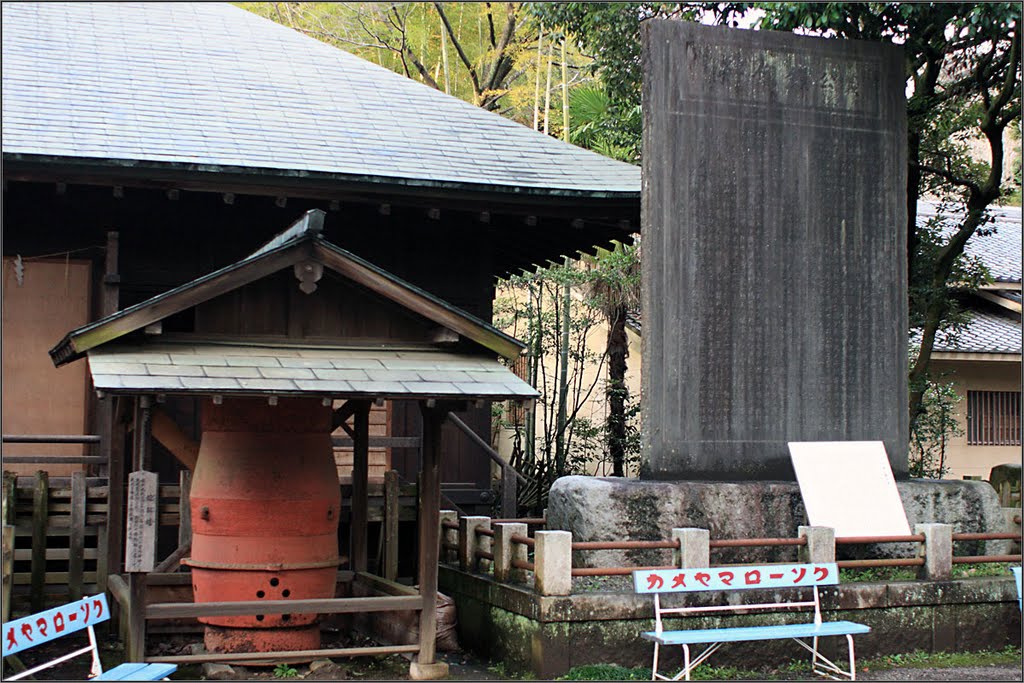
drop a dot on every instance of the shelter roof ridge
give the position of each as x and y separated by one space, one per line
301 241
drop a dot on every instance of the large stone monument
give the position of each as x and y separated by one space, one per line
774 249
775 289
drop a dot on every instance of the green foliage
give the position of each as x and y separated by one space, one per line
596 126
877 574
934 427
531 308
285 671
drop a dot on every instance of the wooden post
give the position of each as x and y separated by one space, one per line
360 484
104 408
10 498
135 645
429 532
8 569
40 522
111 548
142 454
76 545
509 493
185 508
391 509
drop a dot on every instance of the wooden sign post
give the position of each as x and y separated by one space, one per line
140 555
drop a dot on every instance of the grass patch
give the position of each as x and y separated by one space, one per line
911 660
885 574
964 571
614 672
943 660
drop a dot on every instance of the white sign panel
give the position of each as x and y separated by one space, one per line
848 485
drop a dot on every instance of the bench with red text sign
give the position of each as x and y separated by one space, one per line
36 629
798 577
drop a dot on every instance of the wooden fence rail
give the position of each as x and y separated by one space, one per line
58 539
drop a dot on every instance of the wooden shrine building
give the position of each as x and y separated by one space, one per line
379 338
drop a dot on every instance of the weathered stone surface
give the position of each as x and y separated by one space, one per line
610 509
213 671
774 269
548 635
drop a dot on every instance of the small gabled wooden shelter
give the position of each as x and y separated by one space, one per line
301 321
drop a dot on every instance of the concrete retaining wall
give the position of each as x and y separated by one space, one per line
547 636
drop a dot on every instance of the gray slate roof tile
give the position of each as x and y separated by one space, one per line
210 83
222 371
985 333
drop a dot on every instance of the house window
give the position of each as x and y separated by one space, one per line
993 418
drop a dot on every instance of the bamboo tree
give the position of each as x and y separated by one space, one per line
547 92
565 95
444 57
540 65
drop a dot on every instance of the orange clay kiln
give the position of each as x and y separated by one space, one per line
265 506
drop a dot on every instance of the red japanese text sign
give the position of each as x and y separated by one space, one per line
21 634
736 577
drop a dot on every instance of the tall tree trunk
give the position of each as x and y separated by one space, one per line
563 380
535 352
618 349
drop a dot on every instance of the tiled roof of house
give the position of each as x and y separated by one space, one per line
210 86
998 246
986 333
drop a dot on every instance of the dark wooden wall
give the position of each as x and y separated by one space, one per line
165 243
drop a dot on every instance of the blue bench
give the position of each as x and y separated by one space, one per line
802 577
36 629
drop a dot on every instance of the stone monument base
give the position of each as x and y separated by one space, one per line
612 509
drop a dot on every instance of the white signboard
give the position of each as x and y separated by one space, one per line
848 485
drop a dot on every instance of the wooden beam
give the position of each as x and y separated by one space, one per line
360 481
286 656
184 610
380 283
178 443
184 297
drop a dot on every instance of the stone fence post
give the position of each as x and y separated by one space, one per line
470 541
937 551
821 544
552 560
694 548
448 536
505 551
